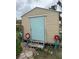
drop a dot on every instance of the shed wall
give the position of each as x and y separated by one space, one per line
51 23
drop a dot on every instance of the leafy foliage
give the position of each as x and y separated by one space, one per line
60 34
18 40
18 47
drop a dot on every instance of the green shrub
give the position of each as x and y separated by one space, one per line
60 34
18 40
18 47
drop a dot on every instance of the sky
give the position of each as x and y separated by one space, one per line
23 6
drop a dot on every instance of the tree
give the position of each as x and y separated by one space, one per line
54 7
59 3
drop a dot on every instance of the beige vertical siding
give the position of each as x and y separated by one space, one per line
26 25
51 23
52 27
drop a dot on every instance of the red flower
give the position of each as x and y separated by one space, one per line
56 37
27 35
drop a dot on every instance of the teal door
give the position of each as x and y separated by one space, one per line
37 28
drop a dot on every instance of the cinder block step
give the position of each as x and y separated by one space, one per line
36 45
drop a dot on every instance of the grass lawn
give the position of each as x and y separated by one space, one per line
46 55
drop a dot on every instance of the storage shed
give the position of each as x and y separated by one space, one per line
42 24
